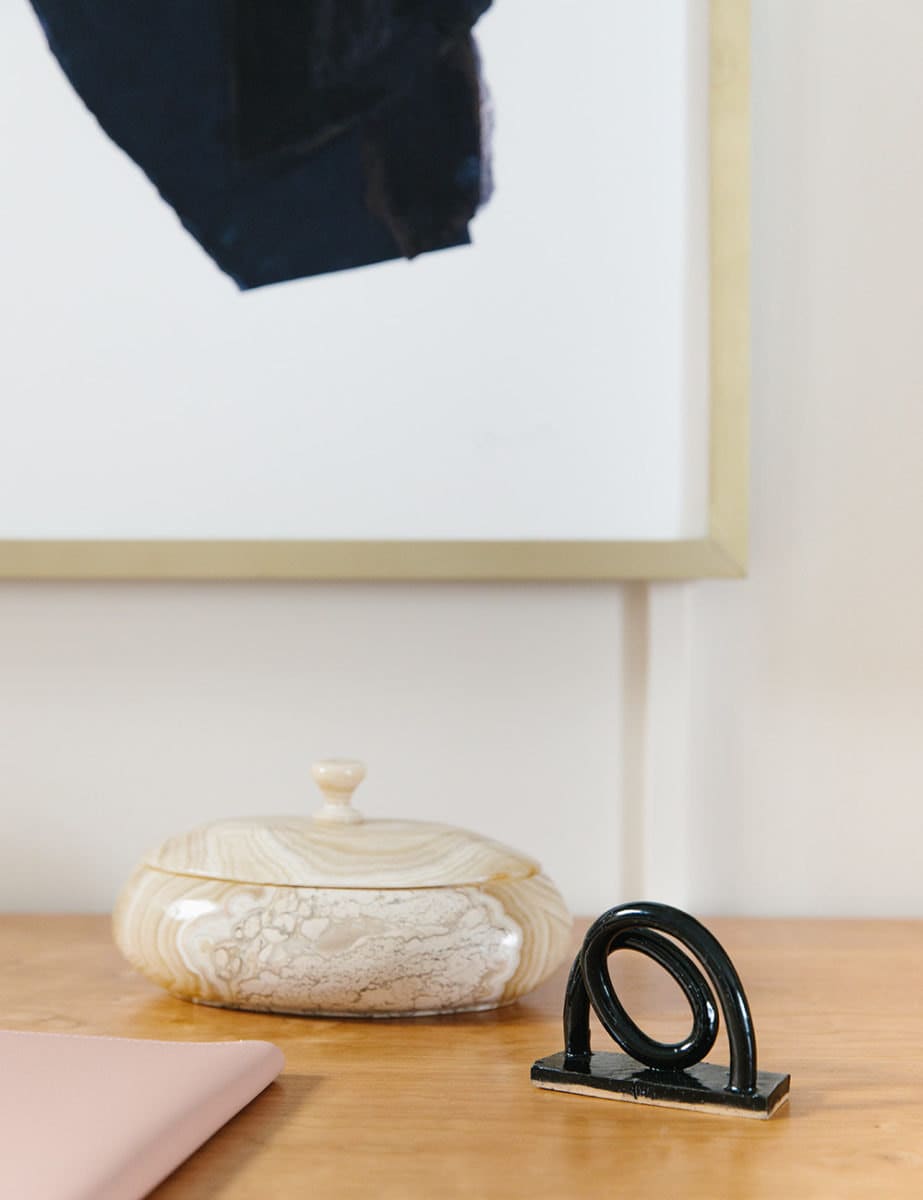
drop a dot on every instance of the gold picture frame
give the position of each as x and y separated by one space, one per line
721 553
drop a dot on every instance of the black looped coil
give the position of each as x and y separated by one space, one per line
648 928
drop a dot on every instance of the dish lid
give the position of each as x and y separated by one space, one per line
338 847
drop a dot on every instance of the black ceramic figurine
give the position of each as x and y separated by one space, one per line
660 1072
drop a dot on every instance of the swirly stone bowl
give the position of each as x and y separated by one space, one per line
335 915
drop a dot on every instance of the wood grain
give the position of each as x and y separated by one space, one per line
443 1107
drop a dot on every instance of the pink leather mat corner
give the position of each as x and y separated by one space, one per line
99 1118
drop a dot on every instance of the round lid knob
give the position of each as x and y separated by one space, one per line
337 779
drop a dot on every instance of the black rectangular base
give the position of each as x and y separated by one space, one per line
703 1087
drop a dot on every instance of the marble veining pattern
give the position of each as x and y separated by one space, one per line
336 915
353 951
303 852
374 952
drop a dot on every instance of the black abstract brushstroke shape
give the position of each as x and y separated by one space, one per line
292 137
424 195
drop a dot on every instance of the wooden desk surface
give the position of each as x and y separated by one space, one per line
442 1107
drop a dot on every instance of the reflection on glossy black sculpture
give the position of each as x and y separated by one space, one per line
293 137
660 1072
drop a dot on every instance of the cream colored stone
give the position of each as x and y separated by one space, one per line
341 916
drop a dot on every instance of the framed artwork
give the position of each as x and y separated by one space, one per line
561 395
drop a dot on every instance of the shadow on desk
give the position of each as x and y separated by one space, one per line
226 1156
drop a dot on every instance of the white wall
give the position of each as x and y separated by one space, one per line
808 677
749 747
129 712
